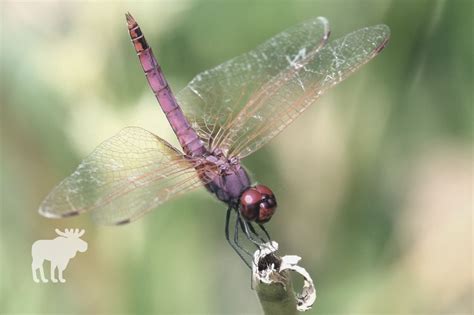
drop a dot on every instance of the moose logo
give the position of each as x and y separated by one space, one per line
58 252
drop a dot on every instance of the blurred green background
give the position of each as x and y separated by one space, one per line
374 182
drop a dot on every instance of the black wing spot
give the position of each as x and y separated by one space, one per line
123 222
70 214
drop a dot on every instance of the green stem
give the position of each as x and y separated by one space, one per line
272 282
277 298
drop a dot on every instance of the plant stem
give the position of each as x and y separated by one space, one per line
272 282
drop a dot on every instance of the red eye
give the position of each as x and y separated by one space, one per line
251 196
264 190
250 204
257 204
267 209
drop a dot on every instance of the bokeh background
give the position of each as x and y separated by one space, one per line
374 182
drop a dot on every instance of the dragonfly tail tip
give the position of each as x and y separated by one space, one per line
130 19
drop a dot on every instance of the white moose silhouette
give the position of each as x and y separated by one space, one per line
57 251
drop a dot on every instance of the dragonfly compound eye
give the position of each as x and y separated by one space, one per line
264 190
250 204
257 204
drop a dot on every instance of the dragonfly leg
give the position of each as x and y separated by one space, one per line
252 229
249 230
236 237
236 247
269 239
245 228
267 243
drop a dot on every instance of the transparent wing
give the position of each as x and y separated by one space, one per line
243 103
214 98
290 92
125 177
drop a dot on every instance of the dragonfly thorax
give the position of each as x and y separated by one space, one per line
232 186
228 178
225 165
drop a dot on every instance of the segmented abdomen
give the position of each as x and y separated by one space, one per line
187 136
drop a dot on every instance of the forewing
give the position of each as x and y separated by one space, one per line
289 93
214 98
125 177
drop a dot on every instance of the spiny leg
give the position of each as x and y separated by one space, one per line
245 228
248 229
236 249
264 243
252 229
269 239
266 233
236 237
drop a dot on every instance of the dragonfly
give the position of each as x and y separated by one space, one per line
222 116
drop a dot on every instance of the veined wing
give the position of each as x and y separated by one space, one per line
290 92
214 98
125 177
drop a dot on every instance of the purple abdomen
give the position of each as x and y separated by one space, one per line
187 136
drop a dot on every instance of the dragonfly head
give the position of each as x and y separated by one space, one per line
257 204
